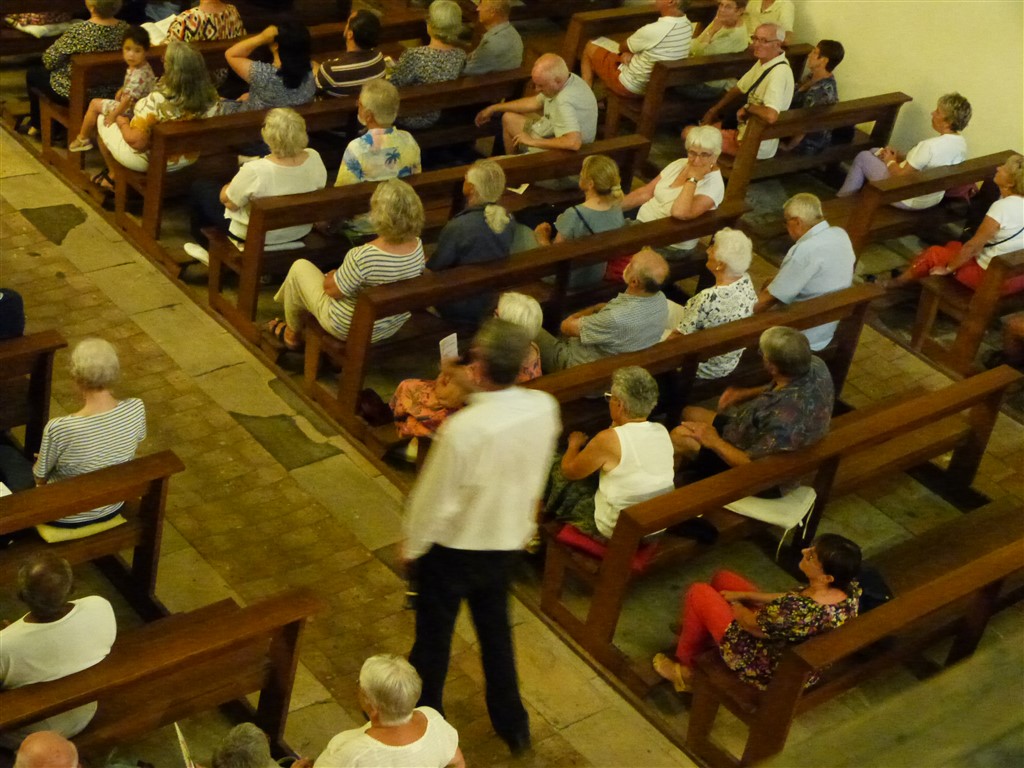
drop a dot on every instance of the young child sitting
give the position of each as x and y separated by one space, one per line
139 80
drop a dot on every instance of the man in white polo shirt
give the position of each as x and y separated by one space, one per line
768 87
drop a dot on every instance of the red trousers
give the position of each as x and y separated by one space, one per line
970 274
706 615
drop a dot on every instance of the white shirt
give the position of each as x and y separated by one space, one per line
775 91
1009 212
781 13
667 39
645 470
936 152
660 205
354 749
485 474
37 653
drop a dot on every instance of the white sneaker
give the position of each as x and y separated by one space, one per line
197 252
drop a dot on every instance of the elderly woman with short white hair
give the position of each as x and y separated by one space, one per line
291 168
105 431
396 214
685 188
732 297
399 732
438 62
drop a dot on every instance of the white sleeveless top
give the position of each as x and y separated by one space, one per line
644 471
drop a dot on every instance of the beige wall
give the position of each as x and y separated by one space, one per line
926 48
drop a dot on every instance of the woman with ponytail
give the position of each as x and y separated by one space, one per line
484 231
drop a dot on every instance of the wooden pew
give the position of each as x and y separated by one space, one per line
26 370
745 167
660 105
975 310
861 446
473 279
181 665
142 483
216 138
441 192
588 24
680 356
16 43
940 590
869 215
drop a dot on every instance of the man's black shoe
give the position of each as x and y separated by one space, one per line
519 744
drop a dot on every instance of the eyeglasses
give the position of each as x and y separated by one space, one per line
763 40
700 155
608 397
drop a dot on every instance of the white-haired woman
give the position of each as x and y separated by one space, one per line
184 92
437 62
396 213
100 32
732 297
291 168
685 188
399 733
481 232
951 115
600 211
623 465
420 406
105 431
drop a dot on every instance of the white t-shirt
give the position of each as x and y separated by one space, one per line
265 178
645 470
572 109
667 39
775 91
354 749
1009 212
37 653
781 13
936 152
660 206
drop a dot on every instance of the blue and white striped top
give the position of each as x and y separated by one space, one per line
75 445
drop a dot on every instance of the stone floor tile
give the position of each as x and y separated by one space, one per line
310 728
186 581
196 343
635 743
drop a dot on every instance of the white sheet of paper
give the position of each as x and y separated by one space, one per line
607 43
183 745
449 347
520 189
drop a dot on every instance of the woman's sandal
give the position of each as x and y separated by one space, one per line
277 328
103 181
23 125
671 671
80 145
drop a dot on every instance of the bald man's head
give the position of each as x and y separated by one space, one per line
46 749
550 74
648 269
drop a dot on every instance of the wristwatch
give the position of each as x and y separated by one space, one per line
694 180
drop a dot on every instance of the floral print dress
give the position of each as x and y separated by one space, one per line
426 65
786 621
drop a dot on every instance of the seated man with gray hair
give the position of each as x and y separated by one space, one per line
501 48
821 261
623 465
246 746
56 638
792 412
399 733
633 320
384 151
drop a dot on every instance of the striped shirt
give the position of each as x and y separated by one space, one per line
627 323
75 445
667 39
365 267
346 73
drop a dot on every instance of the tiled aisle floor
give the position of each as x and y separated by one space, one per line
273 497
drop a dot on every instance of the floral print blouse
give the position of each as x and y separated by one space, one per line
424 65
87 37
786 621
195 24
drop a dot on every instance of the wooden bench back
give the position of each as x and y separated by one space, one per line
881 110
15 42
473 279
26 371
142 483
180 665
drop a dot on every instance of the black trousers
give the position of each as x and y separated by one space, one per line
446 577
38 79
206 209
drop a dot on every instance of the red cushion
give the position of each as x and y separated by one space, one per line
572 536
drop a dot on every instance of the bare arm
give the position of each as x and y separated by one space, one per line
767 114
331 286
708 437
227 202
458 761
522 106
988 229
603 452
238 54
571 141
136 138
747 619
641 195
712 114
571 325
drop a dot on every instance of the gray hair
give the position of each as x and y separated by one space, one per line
186 81
44 584
396 211
776 31
552 66
651 267
94 364
734 250
501 347
245 746
444 21
521 310
391 686
804 206
381 98
636 390
488 180
284 130
105 9
786 349
704 137
957 110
